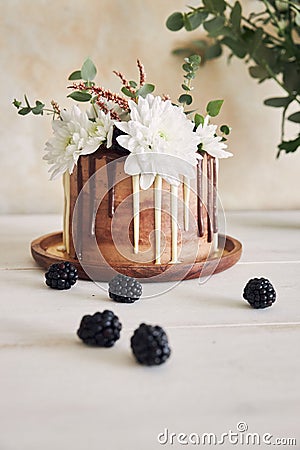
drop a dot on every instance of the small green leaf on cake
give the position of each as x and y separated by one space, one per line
16 103
80 96
144 90
198 119
38 108
185 98
213 107
225 129
75 75
88 70
127 92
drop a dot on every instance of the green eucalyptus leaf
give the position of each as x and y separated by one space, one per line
175 21
225 129
185 87
75 75
289 146
291 76
214 6
187 67
258 72
255 45
24 111
132 84
185 98
195 61
295 117
235 16
197 18
214 51
145 90
278 102
88 70
16 103
38 109
215 26
198 119
128 93
213 107
190 76
80 96
236 46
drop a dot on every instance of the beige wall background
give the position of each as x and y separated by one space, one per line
43 41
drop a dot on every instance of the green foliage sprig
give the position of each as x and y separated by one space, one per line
190 67
268 40
37 109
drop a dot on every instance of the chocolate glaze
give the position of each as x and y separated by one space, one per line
215 200
111 176
209 200
79 211
92 196
199 197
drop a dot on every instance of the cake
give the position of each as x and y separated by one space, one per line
140 179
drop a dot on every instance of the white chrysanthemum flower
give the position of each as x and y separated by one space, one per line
160 139
211 143
100 130
75 135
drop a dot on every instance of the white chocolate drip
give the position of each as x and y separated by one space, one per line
66 221
215 240
174 233
186 200
136 212
157 217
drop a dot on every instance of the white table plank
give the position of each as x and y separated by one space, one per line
266 235
26 299
65 395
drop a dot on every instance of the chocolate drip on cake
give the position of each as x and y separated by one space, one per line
209 206
92 196
111 176
215 193
199 197
79 210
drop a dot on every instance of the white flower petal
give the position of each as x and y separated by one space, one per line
76 135
161 137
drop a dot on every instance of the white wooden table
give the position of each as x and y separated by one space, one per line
229 363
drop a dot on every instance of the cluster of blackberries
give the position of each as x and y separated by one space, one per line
149 343
121 288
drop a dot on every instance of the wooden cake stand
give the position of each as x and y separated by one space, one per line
46 251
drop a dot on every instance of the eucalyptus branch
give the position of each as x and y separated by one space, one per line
253 39
190 67
249 22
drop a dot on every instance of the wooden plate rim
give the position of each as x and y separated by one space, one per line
234 247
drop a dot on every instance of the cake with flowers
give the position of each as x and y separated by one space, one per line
140 177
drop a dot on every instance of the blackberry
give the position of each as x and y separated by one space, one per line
260 293
150 345
61 275
124 289
100 330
